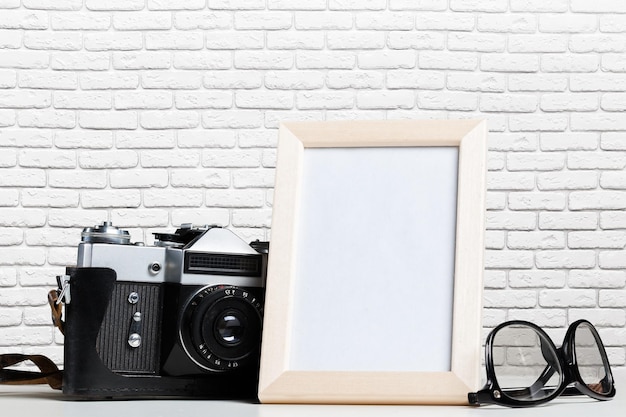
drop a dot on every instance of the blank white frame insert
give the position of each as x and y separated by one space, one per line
388 254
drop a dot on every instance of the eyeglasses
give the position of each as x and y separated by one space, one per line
524 367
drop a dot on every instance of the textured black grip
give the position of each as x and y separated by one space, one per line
112 343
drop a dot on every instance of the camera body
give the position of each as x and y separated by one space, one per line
180 318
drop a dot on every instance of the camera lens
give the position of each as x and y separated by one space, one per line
230 328
221 327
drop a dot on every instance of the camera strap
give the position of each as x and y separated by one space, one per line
48 373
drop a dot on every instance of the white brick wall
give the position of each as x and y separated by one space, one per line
151 113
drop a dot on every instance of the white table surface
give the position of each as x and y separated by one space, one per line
43 401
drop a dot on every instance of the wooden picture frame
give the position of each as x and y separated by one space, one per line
281 381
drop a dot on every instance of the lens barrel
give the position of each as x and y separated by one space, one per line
221 327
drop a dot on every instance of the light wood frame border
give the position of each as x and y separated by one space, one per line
279 384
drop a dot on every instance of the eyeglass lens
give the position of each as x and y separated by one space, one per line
591 365
526 364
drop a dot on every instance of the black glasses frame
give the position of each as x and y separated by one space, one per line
572 383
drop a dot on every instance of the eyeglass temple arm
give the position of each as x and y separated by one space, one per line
544 378
483 396
603 385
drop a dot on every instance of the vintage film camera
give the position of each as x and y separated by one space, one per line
180 318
